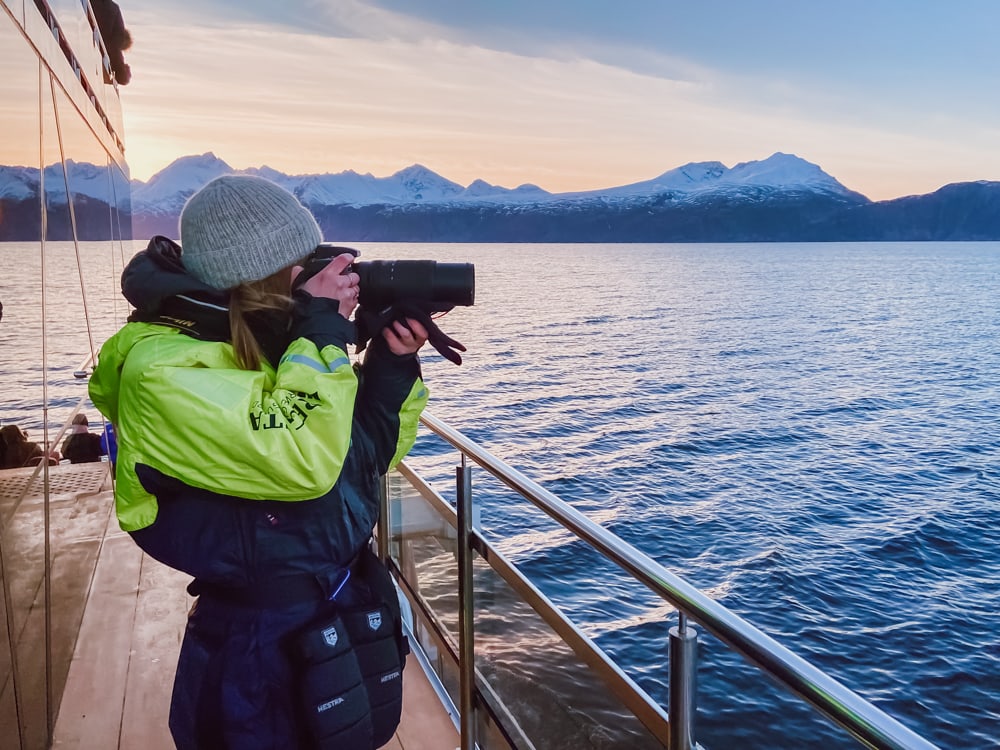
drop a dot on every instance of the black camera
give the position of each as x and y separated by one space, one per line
384 282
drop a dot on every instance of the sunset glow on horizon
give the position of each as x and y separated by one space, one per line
567 97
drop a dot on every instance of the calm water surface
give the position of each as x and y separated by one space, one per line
805 432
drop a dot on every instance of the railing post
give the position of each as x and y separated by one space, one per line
384 526
466 613
683 684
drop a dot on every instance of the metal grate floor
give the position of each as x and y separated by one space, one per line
66 481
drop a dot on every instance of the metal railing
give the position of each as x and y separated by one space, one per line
865 722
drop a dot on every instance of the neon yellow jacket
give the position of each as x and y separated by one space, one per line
200 440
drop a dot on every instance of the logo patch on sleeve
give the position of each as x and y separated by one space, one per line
331 637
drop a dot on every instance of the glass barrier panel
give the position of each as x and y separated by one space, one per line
557 700
533 683
423 545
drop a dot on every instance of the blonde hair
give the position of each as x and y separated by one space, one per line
268 294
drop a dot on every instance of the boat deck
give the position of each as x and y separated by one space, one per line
120 671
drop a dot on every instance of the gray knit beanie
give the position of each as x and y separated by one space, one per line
239 228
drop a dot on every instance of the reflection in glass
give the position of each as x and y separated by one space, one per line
78 33
64 236
556 699
530 678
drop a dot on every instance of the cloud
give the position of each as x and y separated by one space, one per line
309 103
343 85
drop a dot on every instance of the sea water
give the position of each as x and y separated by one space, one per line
806 432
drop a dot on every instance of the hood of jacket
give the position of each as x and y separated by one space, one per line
162 291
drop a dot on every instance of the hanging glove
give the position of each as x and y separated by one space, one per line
370 324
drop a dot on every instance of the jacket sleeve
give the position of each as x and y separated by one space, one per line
390 401
187 410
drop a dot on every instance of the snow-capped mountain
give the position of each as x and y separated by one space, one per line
783 169
782 198
168 189
18 183
85 180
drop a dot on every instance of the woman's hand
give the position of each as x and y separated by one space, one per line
331 282
404 338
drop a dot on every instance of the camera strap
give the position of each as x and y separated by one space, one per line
370 324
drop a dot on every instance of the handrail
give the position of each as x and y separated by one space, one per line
867 723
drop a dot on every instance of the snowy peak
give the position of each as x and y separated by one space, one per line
782 171
779 172
206 167
267 173
480 190
174 184
424 185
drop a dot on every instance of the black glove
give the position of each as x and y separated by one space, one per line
370 323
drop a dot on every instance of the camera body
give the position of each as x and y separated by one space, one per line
383 282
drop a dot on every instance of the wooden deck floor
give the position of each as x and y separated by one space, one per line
118 697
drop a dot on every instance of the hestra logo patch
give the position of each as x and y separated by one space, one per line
331 637
374 620
328 705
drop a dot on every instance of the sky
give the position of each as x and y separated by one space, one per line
890 97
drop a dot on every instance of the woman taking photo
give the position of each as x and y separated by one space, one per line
249 453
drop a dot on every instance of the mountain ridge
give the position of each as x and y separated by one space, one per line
782 198
418 184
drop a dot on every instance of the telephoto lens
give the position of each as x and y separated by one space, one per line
383 282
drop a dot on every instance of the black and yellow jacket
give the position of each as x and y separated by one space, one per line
244 477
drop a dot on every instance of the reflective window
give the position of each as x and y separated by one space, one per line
76 29
16 7
65 233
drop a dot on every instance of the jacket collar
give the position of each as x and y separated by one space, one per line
162 291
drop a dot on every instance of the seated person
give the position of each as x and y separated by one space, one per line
18 451
82 446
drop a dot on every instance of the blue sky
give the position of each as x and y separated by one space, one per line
891 97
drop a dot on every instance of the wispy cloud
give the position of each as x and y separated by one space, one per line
325 85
